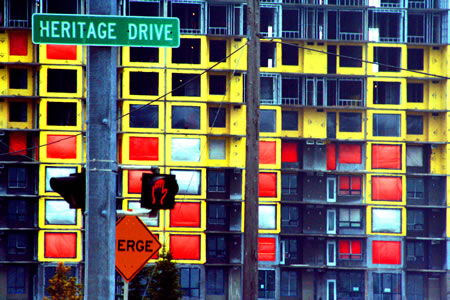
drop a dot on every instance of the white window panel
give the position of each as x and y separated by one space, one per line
188 181
185 149
217 149
58 212
57 172
414 156
267 216
386 220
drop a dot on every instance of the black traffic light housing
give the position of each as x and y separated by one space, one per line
158 191
72 189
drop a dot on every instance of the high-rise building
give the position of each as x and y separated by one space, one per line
354 146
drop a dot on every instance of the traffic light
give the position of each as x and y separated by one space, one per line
72 189
158 191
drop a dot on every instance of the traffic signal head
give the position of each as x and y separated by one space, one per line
72 189
158 191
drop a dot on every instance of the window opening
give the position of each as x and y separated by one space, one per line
292 18
351 25
144 83
331 253
415 221
17 177
218 19
315 19
216 246
350 51
331 59
414 124
350 218
331 189
387 25
386 92
61 81
331 221
192 88
267 120
18 13
289 184
388 56
190 15
16 279
387 285
215 281
217 50
331 289
350 92
416 28
350 122
414 92
144 54
61 7
289 120
415 190
185 117
266 284
268 21
217 84
61 113
190 282
269 89
415 59
143 8
18 111
216 181
217 117
289 55
292 90
217 214
18 78
290 253
187 53
144 116
386 125
289 284
268 52
290 217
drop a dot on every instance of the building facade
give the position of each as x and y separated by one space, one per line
354 143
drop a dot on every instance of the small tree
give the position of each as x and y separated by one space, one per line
63 288
164 279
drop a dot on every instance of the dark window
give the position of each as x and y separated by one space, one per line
350 218
217 18
350 122
289 184
414 92
185 117
289 55
144 83
189 15
17 177
217 214
387 286
217 84
16 279
218 50
289 120
268 54
289 284
19 13
185 84
386 92
61 81
387 57
415 59
144 116
62 7
291 252
18 78
215 281
291 90
217 117
386 124
267 85
267 120
266 284
187 53
190 282
18 111
144 54
216 246
346 55
415 252
350 285
144 8
415 221
62 113
415 190
290 217
414 124
216 181
415 286
17 245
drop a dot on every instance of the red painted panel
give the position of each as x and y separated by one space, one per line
344 182
356 183
386 252
344 247
387 188
17 141
331 157
144 148
68 52
135 180
349 154
267 152
61 146
185 214
18 42
60 245
185 246
289 152
356 247
266 249
267 184
386 157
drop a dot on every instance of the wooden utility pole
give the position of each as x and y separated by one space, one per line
101 164
252 154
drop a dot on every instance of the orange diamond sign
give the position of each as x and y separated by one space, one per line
135 244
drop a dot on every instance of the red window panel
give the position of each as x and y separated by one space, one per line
267 152
386 188
68 52
387 252
144 148
386 157
60 245
350 249
349 154
289 152
266 249
18 43
331 157
185 246
349 185
61 146
185 215
267 184
135 180
17 141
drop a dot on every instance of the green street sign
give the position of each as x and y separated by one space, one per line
104 30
